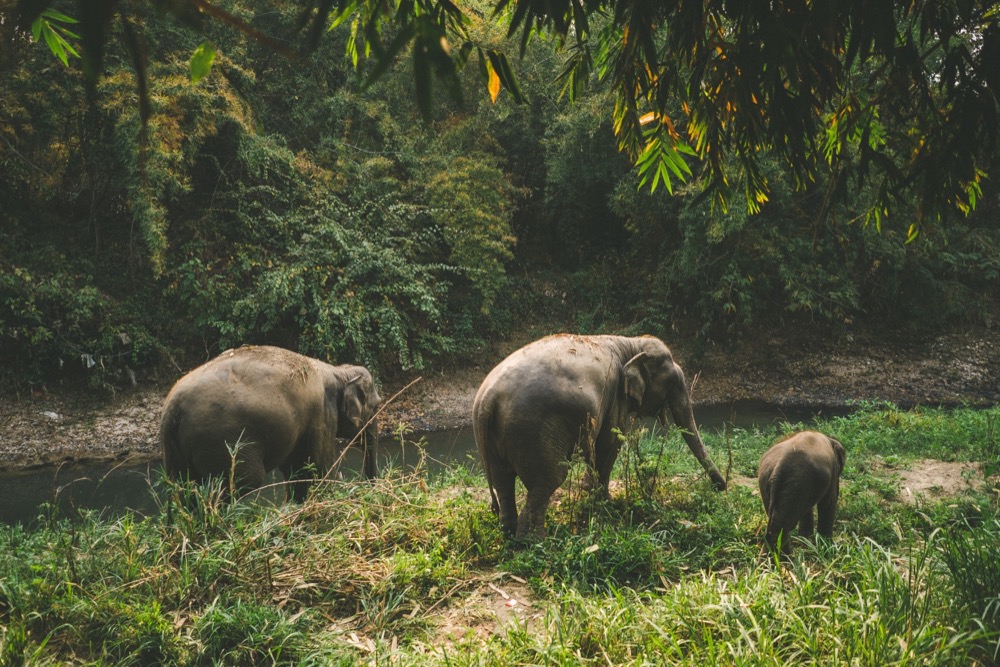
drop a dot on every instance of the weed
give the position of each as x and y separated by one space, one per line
236 632
665 570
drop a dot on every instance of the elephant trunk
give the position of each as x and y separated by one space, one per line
683 415
369 441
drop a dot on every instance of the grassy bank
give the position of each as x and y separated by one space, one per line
411 569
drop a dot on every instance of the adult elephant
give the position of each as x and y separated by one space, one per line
273 408
548 398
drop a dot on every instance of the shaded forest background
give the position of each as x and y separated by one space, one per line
279 201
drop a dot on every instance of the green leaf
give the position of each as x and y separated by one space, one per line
54 45
47 27
385 58
58 16
576 73
201 61
343 14
659 158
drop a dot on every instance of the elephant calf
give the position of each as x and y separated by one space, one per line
273 408
799 473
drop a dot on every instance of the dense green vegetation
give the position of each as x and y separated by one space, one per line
280 201
862 91
401 569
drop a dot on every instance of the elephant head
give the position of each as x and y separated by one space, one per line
352 393
841 454
654 386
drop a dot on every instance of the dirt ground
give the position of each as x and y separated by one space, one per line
52 426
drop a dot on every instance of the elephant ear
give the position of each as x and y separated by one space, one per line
354 400
635 384
839 450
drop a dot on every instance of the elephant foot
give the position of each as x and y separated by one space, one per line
530 535
530 530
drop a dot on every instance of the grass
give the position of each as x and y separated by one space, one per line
399 570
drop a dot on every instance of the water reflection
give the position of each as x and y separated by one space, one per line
128 485
71 487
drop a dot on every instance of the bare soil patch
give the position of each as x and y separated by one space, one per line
491 609
932 480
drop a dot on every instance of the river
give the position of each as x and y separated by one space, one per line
117 487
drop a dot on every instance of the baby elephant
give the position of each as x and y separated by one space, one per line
800 472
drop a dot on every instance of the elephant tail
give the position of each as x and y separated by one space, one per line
482 425
173 459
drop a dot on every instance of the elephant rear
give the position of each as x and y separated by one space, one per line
174 460
797 475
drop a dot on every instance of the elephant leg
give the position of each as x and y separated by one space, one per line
827 510
298 482
806 523
780 524
606 454
777 536
765 495
541 478
505 502
531 522
247 470
501 477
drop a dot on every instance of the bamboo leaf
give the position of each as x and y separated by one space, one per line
201 61
506 74
58 16
46 26
493 82
54 45
66 46
342 15
386 58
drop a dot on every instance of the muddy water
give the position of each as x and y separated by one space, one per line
113 488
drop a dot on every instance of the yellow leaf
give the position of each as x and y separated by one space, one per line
647 118
494 82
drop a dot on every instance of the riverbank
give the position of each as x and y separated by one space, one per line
793 369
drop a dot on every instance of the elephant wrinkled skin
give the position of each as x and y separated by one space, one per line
277 408
795 475
543 401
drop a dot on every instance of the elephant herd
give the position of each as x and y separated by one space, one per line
259 408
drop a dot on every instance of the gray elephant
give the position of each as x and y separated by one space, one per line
281 409
554 395
799 473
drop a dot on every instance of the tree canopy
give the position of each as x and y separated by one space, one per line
903 97
284 199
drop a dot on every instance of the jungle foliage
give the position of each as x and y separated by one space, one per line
904 97
300 202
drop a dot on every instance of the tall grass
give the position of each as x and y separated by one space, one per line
391 571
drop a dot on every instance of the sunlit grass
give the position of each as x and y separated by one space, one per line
666 571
